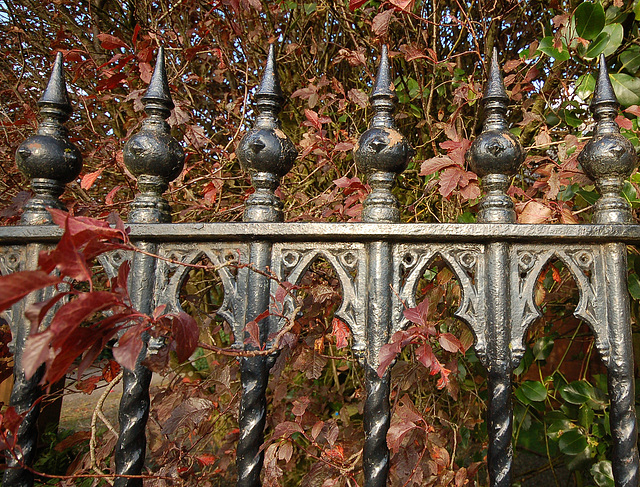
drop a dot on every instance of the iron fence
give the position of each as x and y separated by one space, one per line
378 263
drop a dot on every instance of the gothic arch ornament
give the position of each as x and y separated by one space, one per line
291 262
585 264
230 263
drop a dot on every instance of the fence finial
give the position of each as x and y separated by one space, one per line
609 157
153 155
266 152
382 152
48 158
496 154
158 95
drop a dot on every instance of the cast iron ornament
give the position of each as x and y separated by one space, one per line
48 158
153 155
382 152
609 157
496 154
266 152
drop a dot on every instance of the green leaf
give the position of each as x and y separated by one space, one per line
570 118
542 348
585 416
616 33
589 18
558 428
531 391
546 46
630 58
627 89
603 474
572 442
634 285
596 46
577 392
585 86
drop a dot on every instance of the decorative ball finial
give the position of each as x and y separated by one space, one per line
48 158
382 152
266 152
153 155
609 157
496 154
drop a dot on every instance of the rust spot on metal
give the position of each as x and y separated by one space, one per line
395 137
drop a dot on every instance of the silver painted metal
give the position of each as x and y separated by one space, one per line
608 158
156 158
51 161
381 153
378 263
48 158
267 154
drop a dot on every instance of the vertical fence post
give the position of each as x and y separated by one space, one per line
382 153
50 161
267 154
155 158
608 158
495 155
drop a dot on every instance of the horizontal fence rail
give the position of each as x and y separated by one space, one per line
378 263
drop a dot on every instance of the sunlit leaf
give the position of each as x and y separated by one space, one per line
589 20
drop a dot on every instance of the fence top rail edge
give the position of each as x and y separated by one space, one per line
347 232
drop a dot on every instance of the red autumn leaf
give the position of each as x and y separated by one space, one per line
388 353
397 431
341 332
83 229
129 346
354 4
72 440
435 164
634 110
107 41
134 37
90 178
424 354
17 285
185 333
380 24
72 314
556 275
402 5
420 314
286 429
412 52
449 180
36 352
111 82
206 459
36 312
111 370
89 384
67 258
450 343
624 122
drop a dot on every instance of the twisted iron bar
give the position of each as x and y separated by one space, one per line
133 415
253 415
500 426
377 418
24 398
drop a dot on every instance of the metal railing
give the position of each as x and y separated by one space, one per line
378 262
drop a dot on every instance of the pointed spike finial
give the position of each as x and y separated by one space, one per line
603 95
609 157
158 95
269 95
383 86
55 99
494 90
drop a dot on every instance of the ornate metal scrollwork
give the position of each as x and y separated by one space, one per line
291 261
230 263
